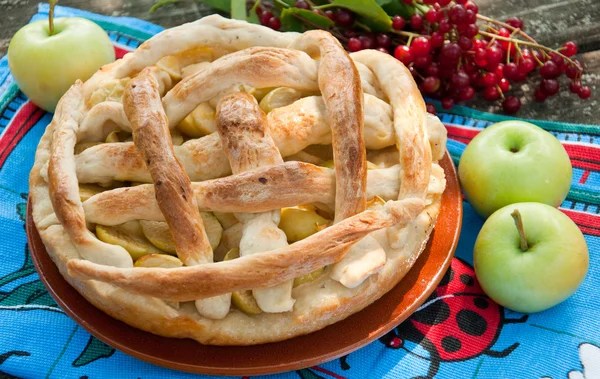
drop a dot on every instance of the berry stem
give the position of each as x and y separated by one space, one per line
516 215
526 43
52 3
405 34
505 25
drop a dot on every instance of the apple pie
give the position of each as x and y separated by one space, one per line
237 185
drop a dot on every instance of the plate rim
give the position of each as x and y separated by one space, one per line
273 368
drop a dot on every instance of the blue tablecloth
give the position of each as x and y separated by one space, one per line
37 339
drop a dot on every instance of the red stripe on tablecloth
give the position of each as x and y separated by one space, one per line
587 222
584 177
462 133
584 156
120 51
330 373
27 116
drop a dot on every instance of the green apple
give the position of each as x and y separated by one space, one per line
45 62
531 259
512 162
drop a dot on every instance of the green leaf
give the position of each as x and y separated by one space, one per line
238 9
253 17
397 7
221 5
160 3
383 2
95 349
368 9
296 20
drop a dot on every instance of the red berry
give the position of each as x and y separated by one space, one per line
511 105
383 40
416 22
447 103
408 2
585 92
460 79
461 1
575 86
470 17
526 65
490 79
424 61
450 54
558 61
471 6
510 70
432 16
330 15
465 42
259 11
493 55
429 2
471 30
436 39
457 14
443 3
265 17
367 41
430 84
383 50
398 23
549 70
549 87
479 44
430 108
520 77
499 70
569 49
421 46
504 85
404 54
444 26
354 44
301 4
491 93
515 22
466 93
433 69
274 23
539 95
574 71
503 32
344 17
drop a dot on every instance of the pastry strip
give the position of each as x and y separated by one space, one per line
64 189
242 127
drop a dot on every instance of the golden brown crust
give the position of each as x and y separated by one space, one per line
242 128
258 270
339 83
63 188
172 187
132 295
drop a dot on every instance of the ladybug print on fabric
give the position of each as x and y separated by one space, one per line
457 322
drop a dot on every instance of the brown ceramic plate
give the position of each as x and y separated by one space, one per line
300 352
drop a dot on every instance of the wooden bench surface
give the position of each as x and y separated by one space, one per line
551 22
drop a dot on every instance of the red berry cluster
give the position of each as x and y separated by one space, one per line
452 59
